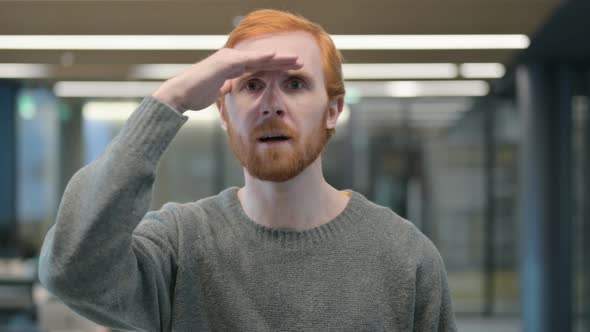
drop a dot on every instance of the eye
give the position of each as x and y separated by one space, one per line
253 85
295 84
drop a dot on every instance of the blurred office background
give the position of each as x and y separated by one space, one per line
469 118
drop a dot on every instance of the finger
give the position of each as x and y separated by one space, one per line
273 66
253 58
277 61
284 62
285 57
225 88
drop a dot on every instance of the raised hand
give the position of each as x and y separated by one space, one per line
201 84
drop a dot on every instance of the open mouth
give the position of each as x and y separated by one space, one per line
274 138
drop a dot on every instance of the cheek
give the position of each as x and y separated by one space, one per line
237 127
237 115
312 110
310 101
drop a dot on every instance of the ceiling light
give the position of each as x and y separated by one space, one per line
157 71
482 70
119 111
108 110
430 42
24 70
437 88
401 70
214 42
403 89
104 89
112 42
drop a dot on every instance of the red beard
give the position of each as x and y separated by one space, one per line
281 163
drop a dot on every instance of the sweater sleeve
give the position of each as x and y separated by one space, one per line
105 257
433 309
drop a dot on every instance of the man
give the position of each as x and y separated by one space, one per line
285 252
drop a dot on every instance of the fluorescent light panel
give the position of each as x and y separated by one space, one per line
482 70
430 42
112 42
119 111
214 42
108 111
158 71
437 88
408 89
24 70
359 70
402 70
104 89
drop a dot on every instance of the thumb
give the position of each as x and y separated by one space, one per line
225 88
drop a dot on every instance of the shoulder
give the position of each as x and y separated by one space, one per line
203 213
401 234
384 220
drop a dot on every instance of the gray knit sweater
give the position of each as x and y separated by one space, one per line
205 266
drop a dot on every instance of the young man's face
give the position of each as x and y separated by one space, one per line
277 121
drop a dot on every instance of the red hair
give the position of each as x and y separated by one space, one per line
266 21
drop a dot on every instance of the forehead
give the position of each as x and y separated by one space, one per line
301 43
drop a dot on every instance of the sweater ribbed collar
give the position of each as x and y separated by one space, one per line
343 223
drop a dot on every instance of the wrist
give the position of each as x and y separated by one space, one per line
173 100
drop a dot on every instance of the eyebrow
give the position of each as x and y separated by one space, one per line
302 74
297 73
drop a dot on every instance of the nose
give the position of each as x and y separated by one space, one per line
272 105
277 112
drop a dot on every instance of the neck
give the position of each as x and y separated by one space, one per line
304 202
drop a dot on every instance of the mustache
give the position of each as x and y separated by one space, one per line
273 126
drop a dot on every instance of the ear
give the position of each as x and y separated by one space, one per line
220 102
334 109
